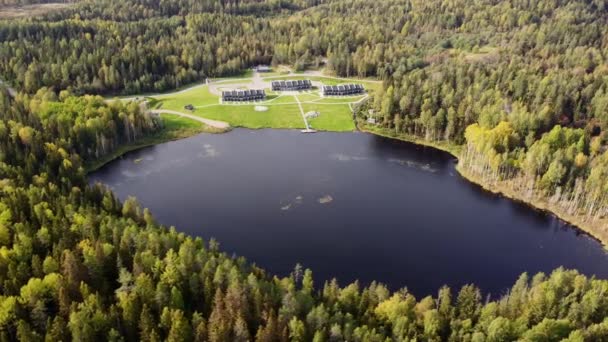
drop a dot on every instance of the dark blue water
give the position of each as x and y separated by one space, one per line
392 212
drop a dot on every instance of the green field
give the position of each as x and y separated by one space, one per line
282 110
198 96
177 123
333 118
278 116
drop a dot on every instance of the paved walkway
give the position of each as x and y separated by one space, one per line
302 112
208 122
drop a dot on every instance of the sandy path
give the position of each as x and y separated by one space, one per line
208 122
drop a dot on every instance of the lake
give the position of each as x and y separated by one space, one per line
350 206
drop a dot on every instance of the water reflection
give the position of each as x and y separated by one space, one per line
350 206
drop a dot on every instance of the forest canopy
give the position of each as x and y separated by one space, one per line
520 85
77 264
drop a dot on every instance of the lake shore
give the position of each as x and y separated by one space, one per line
594 230
163 136
183 184
500 188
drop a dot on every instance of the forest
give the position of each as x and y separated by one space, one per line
76 264
521 85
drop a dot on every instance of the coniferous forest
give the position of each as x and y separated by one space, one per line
520 86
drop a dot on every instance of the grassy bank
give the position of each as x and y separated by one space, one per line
595 229
175 128
452 149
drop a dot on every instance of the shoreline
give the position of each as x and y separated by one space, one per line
539 204
498 189
501 189
156 139
164 137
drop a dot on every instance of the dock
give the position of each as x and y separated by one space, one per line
308 130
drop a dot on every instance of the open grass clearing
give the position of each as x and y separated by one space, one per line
34 10
307 97
199 96
281 109
174 122
336 117
245 115
334 100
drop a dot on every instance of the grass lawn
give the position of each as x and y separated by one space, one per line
277 100
283 110
346 100
283 113
175 123
333 117
199 96
279 116
307 97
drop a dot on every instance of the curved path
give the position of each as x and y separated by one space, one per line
208 122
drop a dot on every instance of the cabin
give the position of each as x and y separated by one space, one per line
343 90
243 95
291 85
263 68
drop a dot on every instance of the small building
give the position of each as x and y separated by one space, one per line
243 95
343 90
291 85
263 68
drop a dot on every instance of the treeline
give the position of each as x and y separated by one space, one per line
149 55
76 264
135 46
566 167
91 127
157 45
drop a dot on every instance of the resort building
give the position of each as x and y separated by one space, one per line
294 85
343 90
243 95
263 68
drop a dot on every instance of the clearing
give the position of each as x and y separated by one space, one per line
281 110
14 12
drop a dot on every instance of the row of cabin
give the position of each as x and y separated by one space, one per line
343 90
291 85
243 95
